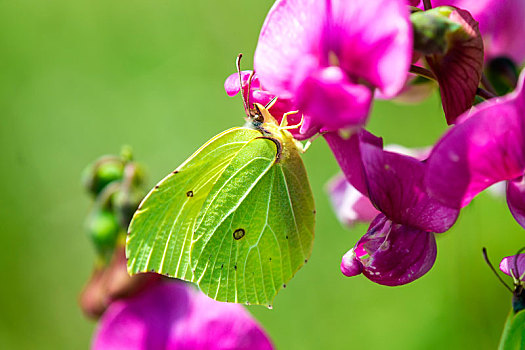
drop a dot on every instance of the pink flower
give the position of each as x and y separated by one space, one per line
352 206
509 264
486 146
500 23
328 56
399 245
173 315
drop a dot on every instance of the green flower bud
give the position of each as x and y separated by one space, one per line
104 171
103 229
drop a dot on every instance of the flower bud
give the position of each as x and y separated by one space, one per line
103 228
104 171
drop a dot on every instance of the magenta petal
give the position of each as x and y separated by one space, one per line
508 266
373 40
499 35
516 199
369 40
332 101
172 315
459 70
232 83
391 254
395 186
350 264
349 204
292 30
486 147
348 154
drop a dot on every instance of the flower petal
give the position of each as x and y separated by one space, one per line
508 266
459 70
373 41
349 204
332 101
485 147
499 35
293 30
391 254
172 315
395 186
368 40
516 199
348 154
232 83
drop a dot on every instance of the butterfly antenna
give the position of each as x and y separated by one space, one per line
250 78
486 257
238 64
516 265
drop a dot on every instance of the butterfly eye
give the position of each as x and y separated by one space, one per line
258 118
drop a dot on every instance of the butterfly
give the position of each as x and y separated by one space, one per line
236 218
513 336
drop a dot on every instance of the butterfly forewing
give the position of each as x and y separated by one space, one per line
255 229
160 233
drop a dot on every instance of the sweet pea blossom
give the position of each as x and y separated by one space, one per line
509 264
500 23
350 205
328 56
486 146
399 245
174 315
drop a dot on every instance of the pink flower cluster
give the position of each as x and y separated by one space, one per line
328 58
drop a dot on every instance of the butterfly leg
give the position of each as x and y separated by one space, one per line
284 122
309 142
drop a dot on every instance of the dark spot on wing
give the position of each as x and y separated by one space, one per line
156 186
284 285
189 194
314 211
305 261
175 172
238 234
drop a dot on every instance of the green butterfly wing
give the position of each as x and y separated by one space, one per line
159 237
513 337
255 229
237 218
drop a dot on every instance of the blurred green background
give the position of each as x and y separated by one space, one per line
78 79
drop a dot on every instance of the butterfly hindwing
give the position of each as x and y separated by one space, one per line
513 337
160 233
255 229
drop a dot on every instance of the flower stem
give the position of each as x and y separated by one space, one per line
427 5
484 94
423 72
